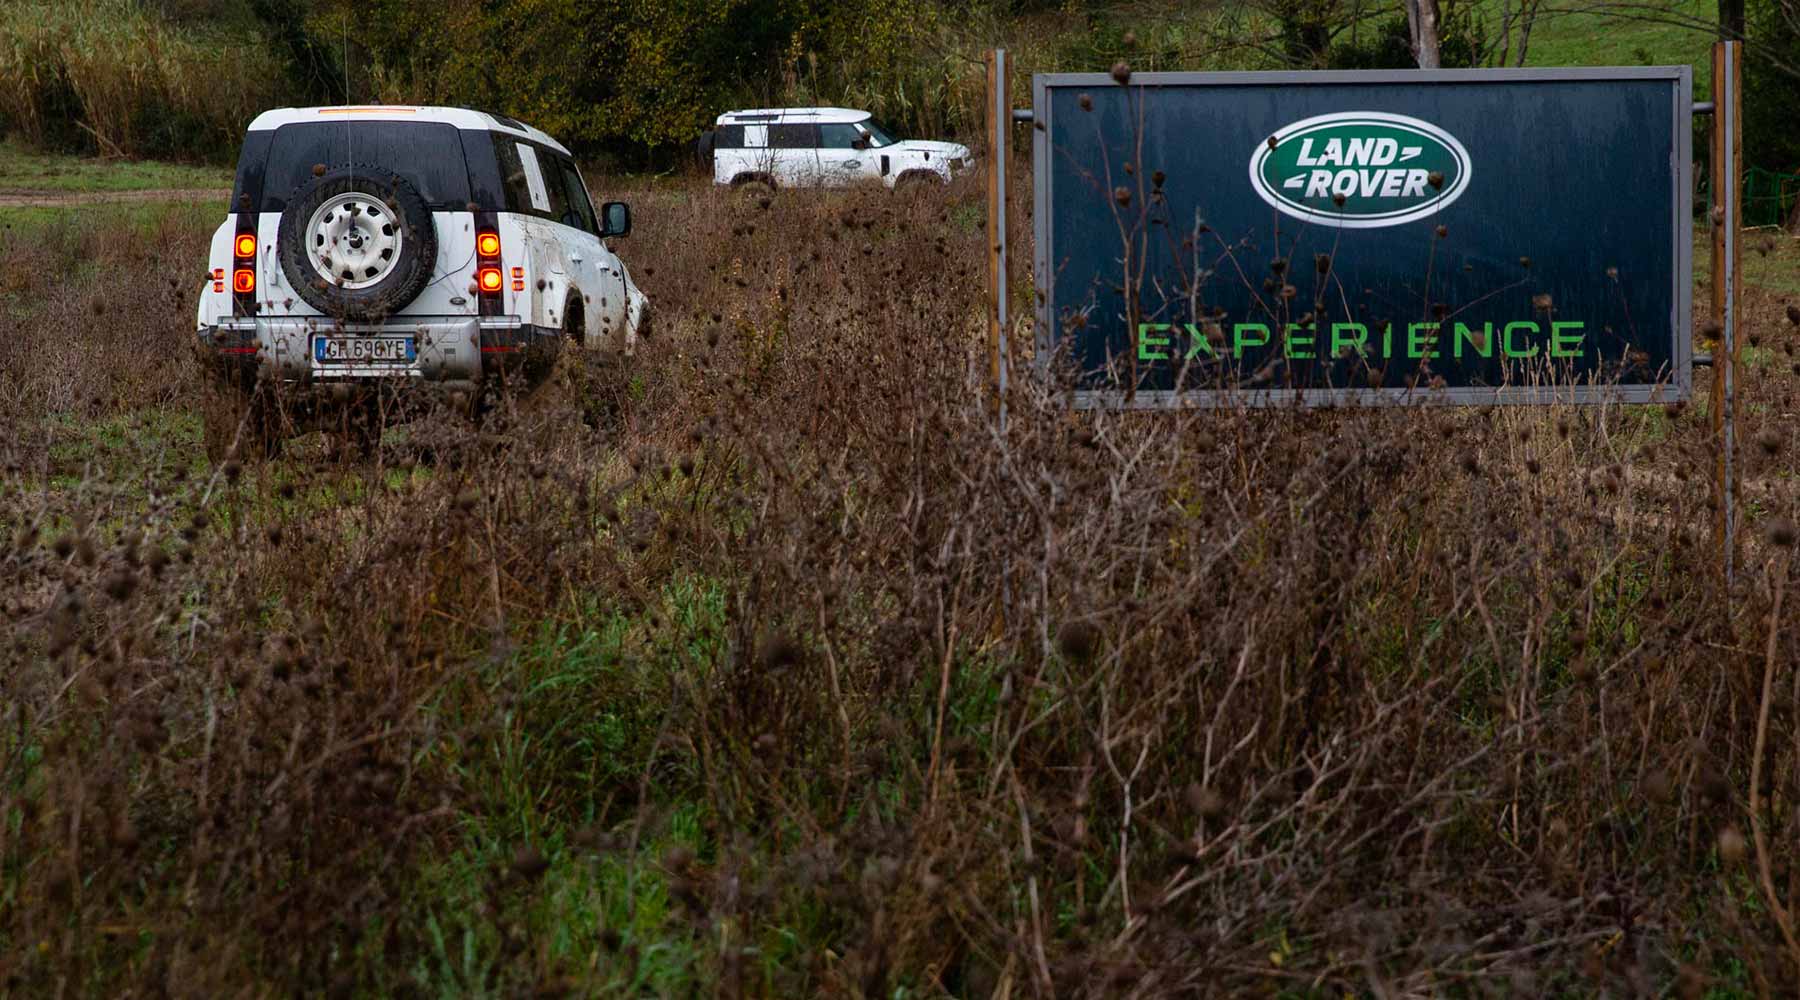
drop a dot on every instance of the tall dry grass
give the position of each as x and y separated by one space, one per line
116 77
1402 702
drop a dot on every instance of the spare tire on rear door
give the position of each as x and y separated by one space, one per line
357 242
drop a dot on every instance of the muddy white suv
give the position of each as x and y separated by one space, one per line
429 246
823 147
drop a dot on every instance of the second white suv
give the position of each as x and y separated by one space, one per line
823 147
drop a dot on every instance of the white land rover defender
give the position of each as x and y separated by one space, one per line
369 246
823 147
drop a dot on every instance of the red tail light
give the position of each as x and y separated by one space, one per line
489 279
488 244
243 281
246 245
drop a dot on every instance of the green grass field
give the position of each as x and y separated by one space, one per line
1603 39
23 169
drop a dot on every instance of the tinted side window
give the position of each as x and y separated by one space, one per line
729 137
838 136
794 136
512 175
581 210
553 184
427 154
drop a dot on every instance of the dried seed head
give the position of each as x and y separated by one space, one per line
1713 785
1121 73
1122 196
120 585
1770 442
1078 641
1436 180
1086 102
1781 532
529 863
778 651
1205 800
1731 846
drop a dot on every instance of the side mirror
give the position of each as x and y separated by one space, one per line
860 142
615 219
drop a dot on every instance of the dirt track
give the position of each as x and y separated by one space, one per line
60 199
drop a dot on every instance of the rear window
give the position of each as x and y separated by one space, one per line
729 137
427 154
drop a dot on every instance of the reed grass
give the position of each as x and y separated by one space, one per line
116 78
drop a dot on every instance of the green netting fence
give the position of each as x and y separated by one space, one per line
1769 195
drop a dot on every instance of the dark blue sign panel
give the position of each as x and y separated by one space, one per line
1456 236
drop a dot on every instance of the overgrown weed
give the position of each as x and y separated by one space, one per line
786 672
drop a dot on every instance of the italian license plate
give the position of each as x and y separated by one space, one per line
363 350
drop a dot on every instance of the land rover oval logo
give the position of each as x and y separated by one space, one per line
1360 169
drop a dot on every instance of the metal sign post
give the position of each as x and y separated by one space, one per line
1727 169
999 123
1333 238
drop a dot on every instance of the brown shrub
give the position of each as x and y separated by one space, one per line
1196 702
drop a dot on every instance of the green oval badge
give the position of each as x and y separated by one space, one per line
1360 169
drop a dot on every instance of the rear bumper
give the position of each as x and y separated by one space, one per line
462 349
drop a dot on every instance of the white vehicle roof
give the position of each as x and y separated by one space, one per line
462 118
760 116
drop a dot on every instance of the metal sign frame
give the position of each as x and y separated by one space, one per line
1678 387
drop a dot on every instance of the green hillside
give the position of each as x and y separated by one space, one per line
1602 39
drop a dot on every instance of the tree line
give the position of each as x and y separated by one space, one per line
635 81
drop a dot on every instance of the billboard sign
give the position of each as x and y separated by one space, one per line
1458 236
